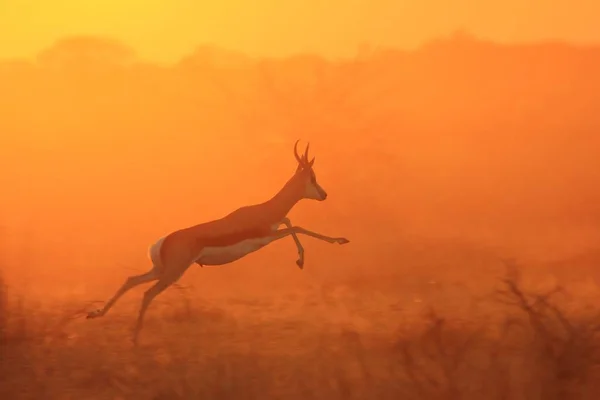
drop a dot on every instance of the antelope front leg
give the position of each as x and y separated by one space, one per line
338 240
288 224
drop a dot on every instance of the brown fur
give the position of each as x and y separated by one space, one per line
182 246
226 239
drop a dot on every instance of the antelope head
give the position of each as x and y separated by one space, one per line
305 179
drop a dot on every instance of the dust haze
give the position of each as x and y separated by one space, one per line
447 167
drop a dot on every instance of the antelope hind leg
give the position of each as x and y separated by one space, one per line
166 280
130 283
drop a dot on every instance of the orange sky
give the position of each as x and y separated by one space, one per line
166 29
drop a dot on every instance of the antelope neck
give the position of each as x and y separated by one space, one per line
286 198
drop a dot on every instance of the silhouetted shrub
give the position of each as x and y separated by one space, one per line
3 312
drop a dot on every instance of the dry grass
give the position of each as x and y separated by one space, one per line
529 346
3 313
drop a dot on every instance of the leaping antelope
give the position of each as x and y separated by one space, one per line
228 239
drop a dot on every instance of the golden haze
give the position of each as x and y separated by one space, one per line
461 138
167 30
437 161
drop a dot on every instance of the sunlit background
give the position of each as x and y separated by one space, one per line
163 30
449 135
125 120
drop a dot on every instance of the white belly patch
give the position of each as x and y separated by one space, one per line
227 254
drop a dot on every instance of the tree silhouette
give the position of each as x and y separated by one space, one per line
87 53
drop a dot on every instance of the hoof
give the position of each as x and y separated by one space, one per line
342 241
300 264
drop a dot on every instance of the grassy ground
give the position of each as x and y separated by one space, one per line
355 343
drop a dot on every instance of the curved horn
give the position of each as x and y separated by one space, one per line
296 152
305 156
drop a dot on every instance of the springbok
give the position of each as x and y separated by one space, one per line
227 239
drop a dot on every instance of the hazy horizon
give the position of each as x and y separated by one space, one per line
228 53
166 31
